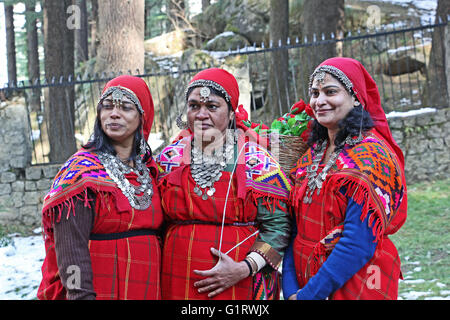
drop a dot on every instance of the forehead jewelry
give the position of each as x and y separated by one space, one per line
118 93
117 97
320 77
204 94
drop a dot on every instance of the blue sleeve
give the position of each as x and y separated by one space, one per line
289 282
355 248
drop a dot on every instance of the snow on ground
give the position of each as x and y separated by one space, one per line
20 267
397 114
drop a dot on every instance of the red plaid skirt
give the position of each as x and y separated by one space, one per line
127 268
187 245
378 279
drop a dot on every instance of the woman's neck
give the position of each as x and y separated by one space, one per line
210 147
332 133
123 152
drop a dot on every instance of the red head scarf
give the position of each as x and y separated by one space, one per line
366 91
139 87
221 77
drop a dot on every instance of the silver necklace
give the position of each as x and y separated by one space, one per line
207 169
140 196
315 181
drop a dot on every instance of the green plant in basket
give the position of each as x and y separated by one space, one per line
293 123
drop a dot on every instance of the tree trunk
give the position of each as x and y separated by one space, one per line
32 55
10 45
81 34
93 29
319 17
205 4
435 92
121 34
59 112
279 67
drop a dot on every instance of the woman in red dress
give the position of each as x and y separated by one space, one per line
224 198
102 215
349 193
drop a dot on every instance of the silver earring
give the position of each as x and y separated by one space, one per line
180 123
143 144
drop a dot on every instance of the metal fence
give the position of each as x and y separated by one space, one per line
398 60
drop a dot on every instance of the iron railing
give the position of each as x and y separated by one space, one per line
398 60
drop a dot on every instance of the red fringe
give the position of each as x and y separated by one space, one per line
53 214
359 191
270 202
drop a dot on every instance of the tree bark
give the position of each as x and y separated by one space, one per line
205 4
279 67
81 34
32 54
59 112
318 17
93 29
121 34
10 45
435 92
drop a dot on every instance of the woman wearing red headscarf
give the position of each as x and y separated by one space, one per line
224 197
102 215
349 193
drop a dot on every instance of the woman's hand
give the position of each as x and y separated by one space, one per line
223 275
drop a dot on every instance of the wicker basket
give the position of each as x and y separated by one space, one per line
287 149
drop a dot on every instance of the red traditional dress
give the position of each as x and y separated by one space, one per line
87 219
194 225
123 268
372 175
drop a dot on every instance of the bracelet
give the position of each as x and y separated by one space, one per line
249 267
253 264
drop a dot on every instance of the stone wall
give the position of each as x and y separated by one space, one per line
424 138
425 141
22 186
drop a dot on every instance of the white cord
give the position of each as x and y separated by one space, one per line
253 234
225 206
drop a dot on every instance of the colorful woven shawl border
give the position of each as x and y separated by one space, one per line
264 174
370 175
82 170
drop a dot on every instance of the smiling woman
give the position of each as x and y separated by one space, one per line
102 216
349 193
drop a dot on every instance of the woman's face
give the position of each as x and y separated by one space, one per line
207 118
330 101
119 122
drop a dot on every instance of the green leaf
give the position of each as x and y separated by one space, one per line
276 125
291 122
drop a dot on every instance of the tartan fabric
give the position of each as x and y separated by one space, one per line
126 268
372 177
187 246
